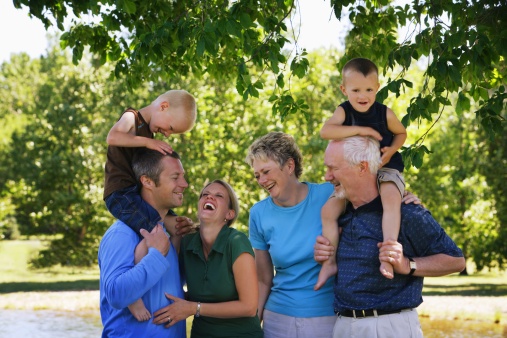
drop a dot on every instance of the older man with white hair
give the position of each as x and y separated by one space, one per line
366 303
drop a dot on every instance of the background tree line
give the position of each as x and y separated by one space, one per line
445 78
57 116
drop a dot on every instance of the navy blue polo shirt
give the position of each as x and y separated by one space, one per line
359 285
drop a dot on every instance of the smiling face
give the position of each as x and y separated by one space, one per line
359 89
339 172
215 205
168 121
271 177
168 193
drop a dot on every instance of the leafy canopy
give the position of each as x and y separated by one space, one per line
461 45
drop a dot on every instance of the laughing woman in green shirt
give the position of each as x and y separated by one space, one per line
219 268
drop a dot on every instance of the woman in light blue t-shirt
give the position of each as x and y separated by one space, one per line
283 229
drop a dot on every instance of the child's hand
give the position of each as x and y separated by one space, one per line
367 131
160 146
387 153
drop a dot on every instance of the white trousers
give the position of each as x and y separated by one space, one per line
281 326
397 325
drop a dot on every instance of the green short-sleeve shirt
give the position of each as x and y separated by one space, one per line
212 281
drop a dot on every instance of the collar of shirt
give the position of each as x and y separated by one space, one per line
195 243
374 205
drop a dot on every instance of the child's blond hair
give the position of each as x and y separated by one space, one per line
182 100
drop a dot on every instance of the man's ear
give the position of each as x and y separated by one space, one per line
363 167
146 182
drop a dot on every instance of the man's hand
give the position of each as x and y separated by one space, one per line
322 249
408 198
392 252
184 225
179 225
157 239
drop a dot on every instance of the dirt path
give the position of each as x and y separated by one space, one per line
434 307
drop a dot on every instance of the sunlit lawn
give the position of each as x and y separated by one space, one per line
22 287
481 284
16 274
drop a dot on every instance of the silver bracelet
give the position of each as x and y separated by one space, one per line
198 311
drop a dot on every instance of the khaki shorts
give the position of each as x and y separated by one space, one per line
391 175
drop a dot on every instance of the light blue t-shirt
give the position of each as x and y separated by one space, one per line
289 234
122 283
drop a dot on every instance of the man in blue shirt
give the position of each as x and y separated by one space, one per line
366 303
122 282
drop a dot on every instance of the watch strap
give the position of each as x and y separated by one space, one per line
412 266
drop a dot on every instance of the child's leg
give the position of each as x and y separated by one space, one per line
141 251
391 202
330 212
138 310
128 206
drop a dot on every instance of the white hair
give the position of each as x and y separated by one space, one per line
357 149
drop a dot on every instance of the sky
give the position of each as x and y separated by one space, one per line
20 33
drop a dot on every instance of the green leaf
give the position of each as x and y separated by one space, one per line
245 20
382 94
258 84
280 81
273 98
201 44
463 104
129 6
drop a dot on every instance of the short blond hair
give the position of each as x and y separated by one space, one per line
278 147
182 100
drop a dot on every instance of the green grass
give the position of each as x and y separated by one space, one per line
16 275
479 284
22 287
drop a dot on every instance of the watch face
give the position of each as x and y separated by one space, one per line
413 265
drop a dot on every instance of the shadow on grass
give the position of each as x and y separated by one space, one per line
472 289
78 285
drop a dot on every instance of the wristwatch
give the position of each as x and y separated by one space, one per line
413 266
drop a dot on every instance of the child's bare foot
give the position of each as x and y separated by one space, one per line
327 270
386 269
139 311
